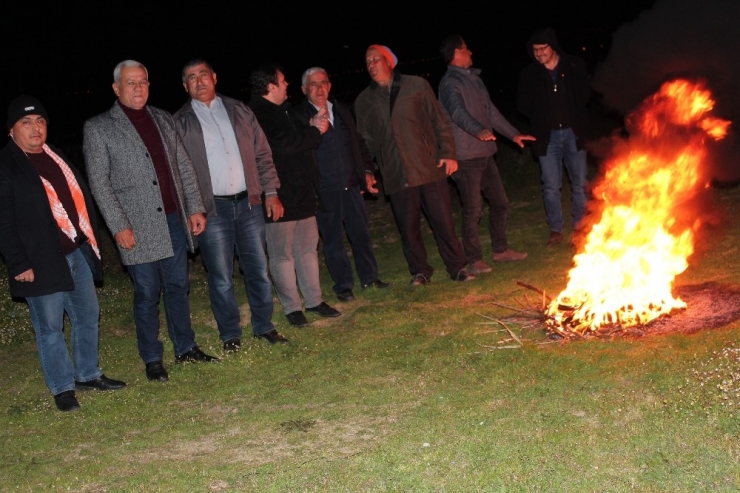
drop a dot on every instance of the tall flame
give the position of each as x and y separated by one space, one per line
624 273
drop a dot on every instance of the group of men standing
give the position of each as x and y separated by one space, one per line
265 181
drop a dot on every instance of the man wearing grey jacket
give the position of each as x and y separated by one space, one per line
473 116
146 189
233 163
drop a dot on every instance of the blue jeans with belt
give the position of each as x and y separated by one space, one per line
237 227
47 318
562 151
168 277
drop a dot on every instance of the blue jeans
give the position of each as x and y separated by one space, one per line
168 277
434 200
237 227
345 211
473 177
291 247
47 318
562 150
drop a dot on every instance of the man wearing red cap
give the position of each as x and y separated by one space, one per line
412 143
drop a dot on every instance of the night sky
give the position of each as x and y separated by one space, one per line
64 53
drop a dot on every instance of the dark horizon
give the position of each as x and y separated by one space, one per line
66 56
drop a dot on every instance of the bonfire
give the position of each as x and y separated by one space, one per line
639 240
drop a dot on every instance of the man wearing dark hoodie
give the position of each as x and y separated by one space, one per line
553 93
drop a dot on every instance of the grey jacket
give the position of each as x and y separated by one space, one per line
259 169
124 183
468 105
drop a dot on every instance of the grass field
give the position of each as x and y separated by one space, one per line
410 390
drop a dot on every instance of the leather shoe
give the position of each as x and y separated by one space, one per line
195 355
324 310
419 280
555 238
232 345
297 318
66 401
377 284
100 383
274 336
155 371
346 295
463 275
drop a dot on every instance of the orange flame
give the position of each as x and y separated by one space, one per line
624 273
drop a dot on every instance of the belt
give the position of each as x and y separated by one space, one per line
233 198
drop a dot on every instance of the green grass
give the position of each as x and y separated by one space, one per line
406 391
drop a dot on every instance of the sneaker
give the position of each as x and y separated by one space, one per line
463 276
420 280
556 238
509 256
480 267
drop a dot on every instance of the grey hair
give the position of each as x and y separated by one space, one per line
310 72
127 63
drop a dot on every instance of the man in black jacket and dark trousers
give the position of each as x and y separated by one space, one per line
346 172
293 239
553 93
49 241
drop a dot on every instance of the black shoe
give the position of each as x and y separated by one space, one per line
195 355
66 401
155 371
346 295
377 284
297 318
463 275
420 280
274 336
100 383
232 345
324 310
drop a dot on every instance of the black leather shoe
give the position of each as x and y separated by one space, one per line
377 284
195 355
66 401
274 336
324 310
463 275
346 295
419 280
100 383
297 318
155 371
232 345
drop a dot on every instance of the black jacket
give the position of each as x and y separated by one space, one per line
535 86
29 235
360 153
293 145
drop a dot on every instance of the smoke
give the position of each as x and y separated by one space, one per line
680 38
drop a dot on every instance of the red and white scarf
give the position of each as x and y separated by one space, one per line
57 209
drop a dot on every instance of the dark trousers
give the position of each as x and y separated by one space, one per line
434 200
345 211
477 179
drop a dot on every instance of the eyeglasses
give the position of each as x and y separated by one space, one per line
539 49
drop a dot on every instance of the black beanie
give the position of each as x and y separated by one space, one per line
22 106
